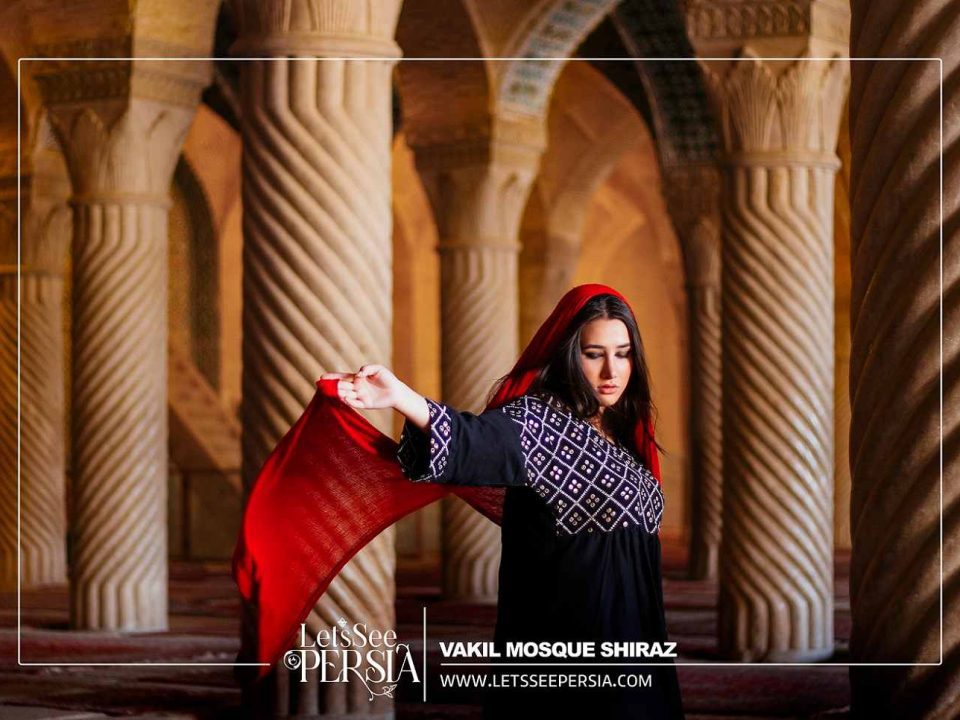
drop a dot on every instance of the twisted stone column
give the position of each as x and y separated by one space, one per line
896 376
776 560
119 403
42 443
478 191
317 261
479 326
692 194
121 149
8 370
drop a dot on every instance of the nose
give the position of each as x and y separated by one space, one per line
607 371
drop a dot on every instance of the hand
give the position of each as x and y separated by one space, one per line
370 388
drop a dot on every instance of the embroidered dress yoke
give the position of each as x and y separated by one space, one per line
580 547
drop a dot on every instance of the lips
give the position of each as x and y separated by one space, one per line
606 389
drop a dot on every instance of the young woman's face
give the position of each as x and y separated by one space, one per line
606 358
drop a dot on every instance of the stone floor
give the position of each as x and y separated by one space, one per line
203 629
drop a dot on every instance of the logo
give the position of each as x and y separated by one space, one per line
372 656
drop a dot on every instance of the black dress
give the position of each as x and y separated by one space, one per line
580 551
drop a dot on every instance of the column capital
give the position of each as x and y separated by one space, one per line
120 122
121 150
478 184
775 75
775 112
338 28
515 141
45 218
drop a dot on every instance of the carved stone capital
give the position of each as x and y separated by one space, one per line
779 113
479 187
479 205
122 150
516 141
47 218
335 28
44 188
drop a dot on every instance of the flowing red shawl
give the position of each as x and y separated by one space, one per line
333 483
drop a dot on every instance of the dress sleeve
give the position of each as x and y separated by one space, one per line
461 448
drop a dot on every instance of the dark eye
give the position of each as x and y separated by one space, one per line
593 356
623 355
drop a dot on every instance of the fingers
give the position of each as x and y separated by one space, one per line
369 370
350 386
346 388
353 402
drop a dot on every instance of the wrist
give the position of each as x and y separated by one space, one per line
404 399
413 406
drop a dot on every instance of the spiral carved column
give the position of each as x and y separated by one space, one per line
120 147
8 372
707 428
896 376
478 191
776 559
42 444
47 228
479 343
693 197
317 265
42 487
121 154
119 567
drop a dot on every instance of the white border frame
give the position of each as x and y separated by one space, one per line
21 60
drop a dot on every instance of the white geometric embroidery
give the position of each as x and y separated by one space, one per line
588 483
440 429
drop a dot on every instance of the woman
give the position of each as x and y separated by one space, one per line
583 504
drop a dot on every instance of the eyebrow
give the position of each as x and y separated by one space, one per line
625 345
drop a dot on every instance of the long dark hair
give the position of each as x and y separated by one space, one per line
563 376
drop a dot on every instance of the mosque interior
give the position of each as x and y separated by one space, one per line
204 206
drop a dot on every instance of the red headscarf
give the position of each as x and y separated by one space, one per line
303 522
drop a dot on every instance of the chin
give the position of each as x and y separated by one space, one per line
608 400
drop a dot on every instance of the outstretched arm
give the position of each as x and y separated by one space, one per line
438 443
